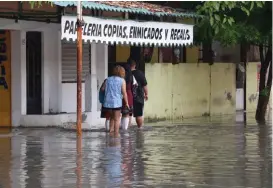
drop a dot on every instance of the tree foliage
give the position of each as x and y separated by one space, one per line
234 22
241 22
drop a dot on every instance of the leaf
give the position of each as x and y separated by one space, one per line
259 4
251 5
245 10
230 21
231 5
217 17
216 5
216 29
225 19
211 21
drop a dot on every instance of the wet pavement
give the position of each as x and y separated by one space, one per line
212 154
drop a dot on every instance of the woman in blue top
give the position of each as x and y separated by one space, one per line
115 90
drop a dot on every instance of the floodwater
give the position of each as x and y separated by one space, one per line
201 154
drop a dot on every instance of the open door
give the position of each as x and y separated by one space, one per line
34 72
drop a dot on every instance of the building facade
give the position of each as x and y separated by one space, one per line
38 76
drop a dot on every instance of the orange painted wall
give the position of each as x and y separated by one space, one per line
5 79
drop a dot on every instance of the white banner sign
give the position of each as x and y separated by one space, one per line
128 31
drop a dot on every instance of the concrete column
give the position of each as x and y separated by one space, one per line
91 83
102 64
87 94
94 82
18 76
50 71
99 71
59 72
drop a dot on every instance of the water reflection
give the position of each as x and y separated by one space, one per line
33 165
113 158
220 154
5 157
79 161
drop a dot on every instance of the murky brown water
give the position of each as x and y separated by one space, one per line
215 155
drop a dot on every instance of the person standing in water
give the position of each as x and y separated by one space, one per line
140 93
115 89
127 112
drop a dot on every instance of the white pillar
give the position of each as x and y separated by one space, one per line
59 72
18 76
99 71
102 64
45 72
94 82
87 88
91 84
50 71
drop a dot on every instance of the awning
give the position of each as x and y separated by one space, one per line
130 7
128 32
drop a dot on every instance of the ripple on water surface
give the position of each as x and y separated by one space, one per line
208 155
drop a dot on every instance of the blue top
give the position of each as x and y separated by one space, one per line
113 93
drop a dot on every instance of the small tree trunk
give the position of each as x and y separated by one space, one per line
264 97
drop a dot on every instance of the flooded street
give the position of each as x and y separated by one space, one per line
211 154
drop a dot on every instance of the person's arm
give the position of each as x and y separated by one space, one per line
102 88
145 86
145 92
124 93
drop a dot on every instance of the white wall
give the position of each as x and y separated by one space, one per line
102 65
18 76
51 81
69 97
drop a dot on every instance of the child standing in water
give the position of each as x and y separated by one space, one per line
127 112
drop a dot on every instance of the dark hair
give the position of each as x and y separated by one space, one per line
131 61
128 74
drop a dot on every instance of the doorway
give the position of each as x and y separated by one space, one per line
34 72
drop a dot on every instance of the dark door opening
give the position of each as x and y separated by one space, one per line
34 75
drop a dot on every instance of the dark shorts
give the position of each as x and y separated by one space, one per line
138 109
105 112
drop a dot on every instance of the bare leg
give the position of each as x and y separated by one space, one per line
139 121
112 122
116 120
120 119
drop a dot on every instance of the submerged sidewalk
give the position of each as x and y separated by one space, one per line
200 153
221 120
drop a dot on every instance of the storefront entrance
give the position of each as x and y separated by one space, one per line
34 72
